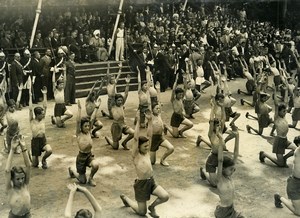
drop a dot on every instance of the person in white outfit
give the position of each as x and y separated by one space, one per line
120 43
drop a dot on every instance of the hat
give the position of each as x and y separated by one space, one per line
155 46
60 51
2 54
96 32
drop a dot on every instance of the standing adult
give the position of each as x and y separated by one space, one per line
27 72
45 76
36 77
16 76
70 81
120 43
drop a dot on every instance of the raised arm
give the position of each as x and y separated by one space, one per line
92 89
94 114
78 120
135 147
236 143
220 155
119 73
53 82
26 158
139 79
101 86
68 209
44 91
127 80
14 144
30 106
174 87
96 206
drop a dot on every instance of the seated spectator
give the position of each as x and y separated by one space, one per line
97 46
38 42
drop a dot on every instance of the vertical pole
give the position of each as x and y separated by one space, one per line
184 6
115 27
38 11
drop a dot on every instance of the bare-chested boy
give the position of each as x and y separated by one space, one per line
37 123
17 181
280 143
225 184
90 105
144 185
61 113
111 90
293 186
178 116
119 126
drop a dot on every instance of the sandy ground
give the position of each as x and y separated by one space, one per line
190 196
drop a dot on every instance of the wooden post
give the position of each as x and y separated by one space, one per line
115 27
38 11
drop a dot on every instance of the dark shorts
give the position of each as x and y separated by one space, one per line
10 133
117 130
280 144
83 160
211 163
143 189
293 188
188 106
296 114
277 80
264 120
59 110
156 141
176 120
227 212
250 86
143 109
229 113
26 215
37 145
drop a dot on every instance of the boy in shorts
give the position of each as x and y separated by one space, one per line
144 185
119 126
178 116
61 113
37 123
293 186
280 143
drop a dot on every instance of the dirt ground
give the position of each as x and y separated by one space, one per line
190 196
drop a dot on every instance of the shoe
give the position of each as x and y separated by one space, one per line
261 157
239 91
242 101
71 174
202 175
125 147
164 163
247 115
248 128
53 120
152 212
277 201
199 139
122 196
44 165
91 182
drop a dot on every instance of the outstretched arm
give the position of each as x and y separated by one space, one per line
96 206
135 147
220 155
78 120
127 79
174 87
26 157
92 90
44 91
94 114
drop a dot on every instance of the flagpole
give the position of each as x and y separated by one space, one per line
115 27
38 11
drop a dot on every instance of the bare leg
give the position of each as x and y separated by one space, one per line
80 177
94 170
248 103
139 207
128 138
210 177
48 152
293 205
153 157
173 131
35 161
237 115
187 125
170 149
279 160
162 197
115 145
201 139
259 131
294 124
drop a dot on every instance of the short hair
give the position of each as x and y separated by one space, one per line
281 107
83 213
59 81
227 162
219 96
38 110
83 121
144 82
142 140
154 105
17 170
117 96
178 90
